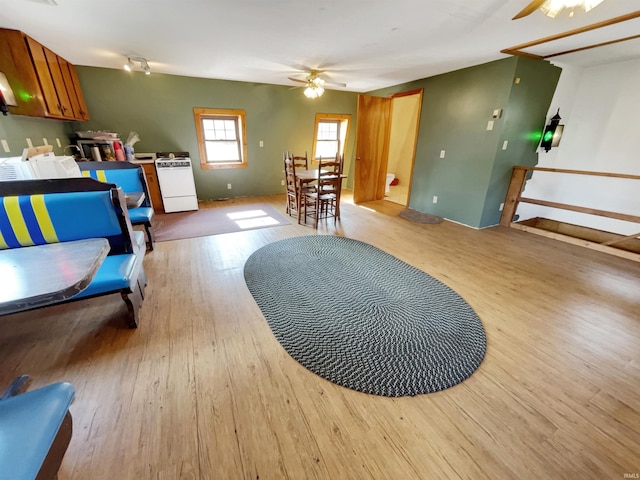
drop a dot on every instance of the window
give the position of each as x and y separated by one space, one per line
330 135
221 137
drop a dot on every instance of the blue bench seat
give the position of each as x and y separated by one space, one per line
35 212
35 430
130 178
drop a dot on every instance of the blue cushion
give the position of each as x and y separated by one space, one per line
114 274
140 215
54 217
30 423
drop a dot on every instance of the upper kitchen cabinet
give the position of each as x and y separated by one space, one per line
44 84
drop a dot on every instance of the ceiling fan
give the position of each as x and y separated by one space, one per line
314 84
551 8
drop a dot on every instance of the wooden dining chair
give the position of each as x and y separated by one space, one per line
301 162
291 184
324 200
294 189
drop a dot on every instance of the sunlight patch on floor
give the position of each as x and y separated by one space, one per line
252 219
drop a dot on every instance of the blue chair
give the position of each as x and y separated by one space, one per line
35 430
130 178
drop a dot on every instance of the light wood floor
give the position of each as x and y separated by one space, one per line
202 390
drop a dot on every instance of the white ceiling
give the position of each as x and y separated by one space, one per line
367 44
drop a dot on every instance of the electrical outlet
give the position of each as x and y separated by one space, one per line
281 182
29 144
501 207
504 144
442 153
45 141
228 186
516 80
261 143
58 142
435 199
5 146
490 125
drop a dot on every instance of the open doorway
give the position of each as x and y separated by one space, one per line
403 135
386 136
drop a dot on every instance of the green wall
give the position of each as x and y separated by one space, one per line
471 181
160 109
15 129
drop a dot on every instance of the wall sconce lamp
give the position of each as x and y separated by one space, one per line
144 65
7 98
552 133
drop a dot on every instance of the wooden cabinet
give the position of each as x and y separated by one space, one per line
44 84
154 186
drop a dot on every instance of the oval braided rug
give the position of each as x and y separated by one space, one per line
362 318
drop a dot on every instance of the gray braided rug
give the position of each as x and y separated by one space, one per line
362 318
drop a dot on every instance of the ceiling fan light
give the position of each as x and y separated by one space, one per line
313 91
589 4
552 8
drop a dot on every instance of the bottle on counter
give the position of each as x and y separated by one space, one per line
117 147
128 150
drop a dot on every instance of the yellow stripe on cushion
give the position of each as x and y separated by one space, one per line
86 173
3 244
102 176
12 207
44 220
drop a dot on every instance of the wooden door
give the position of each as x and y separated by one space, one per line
54 108
70 89
372 148
58 82
84 114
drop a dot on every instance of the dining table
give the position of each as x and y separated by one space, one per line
134 199
40 275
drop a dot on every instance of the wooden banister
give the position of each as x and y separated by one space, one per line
514 198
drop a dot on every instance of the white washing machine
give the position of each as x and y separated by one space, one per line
177 186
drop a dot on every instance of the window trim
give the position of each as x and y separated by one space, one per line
345 124
200 114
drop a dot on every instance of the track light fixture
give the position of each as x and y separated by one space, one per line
131 64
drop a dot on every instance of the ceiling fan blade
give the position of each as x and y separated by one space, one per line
529 9
336 84
297 80
47 2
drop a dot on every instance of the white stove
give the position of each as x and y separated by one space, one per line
177 186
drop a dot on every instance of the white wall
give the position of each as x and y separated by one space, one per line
600 108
